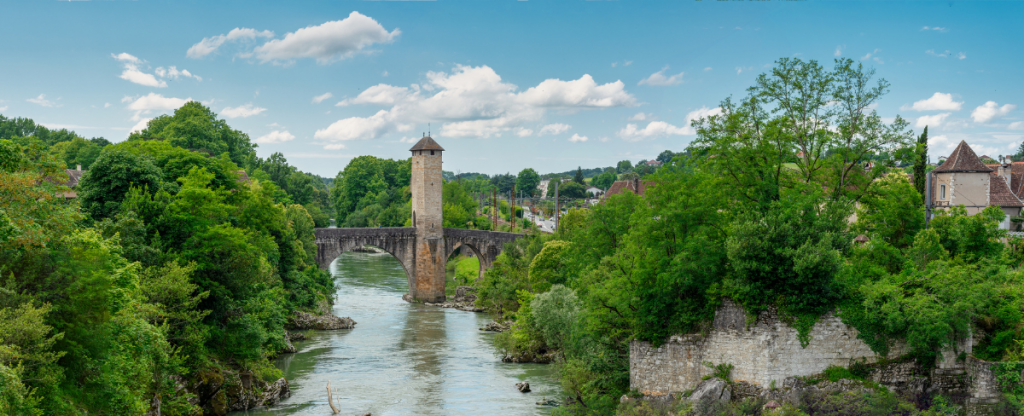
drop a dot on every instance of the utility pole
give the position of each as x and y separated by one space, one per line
513 207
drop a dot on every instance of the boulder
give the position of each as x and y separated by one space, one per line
494 326
710 392
288 347
523 387
303 320
465 294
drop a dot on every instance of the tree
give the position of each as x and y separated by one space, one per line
527 181
921 162
104 186
193 126
579 176
503 183
891 211
666 156
624 166
605 180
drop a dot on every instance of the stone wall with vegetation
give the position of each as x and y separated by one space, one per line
768 357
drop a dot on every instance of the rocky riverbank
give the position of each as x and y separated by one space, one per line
220 392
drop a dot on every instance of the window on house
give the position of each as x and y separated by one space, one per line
431 152
942 192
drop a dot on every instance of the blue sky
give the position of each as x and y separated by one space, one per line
505 85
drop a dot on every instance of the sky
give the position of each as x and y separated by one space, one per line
501 85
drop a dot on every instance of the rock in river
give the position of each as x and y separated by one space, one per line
303 320
523 387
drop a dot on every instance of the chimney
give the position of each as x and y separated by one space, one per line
78 167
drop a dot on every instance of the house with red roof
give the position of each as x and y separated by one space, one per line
964 180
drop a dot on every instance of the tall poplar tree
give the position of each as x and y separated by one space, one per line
921 163
579 176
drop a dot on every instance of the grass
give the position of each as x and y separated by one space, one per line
460 271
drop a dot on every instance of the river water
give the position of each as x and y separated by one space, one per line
403 359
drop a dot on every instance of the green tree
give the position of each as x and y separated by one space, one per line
891 211
115 172
665 157
921 162
579 176
605 179
624 166
527 181
194 126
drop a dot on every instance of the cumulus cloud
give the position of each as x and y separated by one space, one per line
133 73
470 102
576 138
932 52
659 79
557 128
961 55
1016 125
41 100
276 136
140 126
707 68
380 94
937 102
172 72
839 50
639 117
211 44
632 132
933 120
242 111
331 41
320 98
154 102
4 108
991 111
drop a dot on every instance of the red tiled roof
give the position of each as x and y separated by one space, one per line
426 143
999 193
619 187
963 159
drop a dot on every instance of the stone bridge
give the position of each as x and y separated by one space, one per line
400 242
423 249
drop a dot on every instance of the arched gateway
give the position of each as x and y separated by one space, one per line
423 248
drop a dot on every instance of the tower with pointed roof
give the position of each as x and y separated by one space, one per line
427 282
963 179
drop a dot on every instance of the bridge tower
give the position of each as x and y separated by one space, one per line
426 283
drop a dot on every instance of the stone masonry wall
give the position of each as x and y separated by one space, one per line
426 187
767 351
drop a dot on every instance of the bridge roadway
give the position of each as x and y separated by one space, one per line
400 242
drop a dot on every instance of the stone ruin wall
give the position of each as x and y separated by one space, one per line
769 350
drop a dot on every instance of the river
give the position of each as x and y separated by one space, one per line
402 358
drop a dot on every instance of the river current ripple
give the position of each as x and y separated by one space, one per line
401 358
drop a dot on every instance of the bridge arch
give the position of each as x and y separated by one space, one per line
397 241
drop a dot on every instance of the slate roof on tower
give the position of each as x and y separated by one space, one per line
963 159
426 143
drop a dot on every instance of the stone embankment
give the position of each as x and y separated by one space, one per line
768 360
323 320
464 300
218 393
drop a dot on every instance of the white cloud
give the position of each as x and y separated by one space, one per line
991 111
707 68
639 117
660 80
337 146
154 102
173 73
471 102
521 132
242 111
576 138
839 50
627 63
937 102
4 108
934 141
328 42
106 105
932 52
633 133
133 74
557 128
740 69
583 92
125 57
276 136
1016 125
961 55
320 98
140 126
935 28
211 44
380 94
41 100
933 120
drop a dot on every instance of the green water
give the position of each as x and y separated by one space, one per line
403 359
